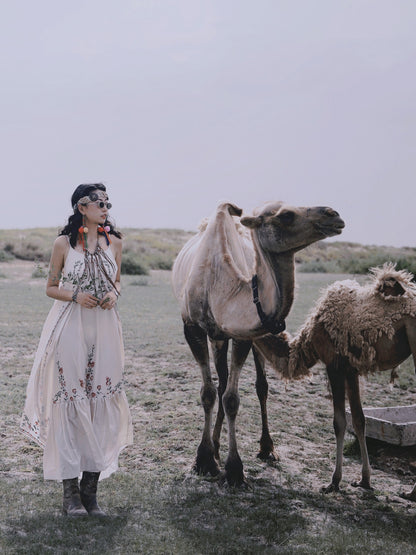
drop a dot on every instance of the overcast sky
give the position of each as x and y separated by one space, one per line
178 104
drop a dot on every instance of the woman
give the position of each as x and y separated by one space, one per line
76 407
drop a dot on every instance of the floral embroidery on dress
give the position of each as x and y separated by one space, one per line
110 389
89 374
32 428
74 277
62 394
86 385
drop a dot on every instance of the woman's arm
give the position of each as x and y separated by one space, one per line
56 264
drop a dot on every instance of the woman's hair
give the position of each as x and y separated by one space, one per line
75 220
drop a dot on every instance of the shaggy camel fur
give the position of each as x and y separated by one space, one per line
355 330
212 278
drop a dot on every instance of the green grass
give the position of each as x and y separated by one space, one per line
155 504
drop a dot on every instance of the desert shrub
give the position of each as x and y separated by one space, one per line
5 255
155 248
146 249
131 265
161 262
408 264
362 265
30 251
319 267
28 244
40 271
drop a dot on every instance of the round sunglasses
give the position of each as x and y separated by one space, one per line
101 204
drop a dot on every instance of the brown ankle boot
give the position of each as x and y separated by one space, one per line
88 489
72 505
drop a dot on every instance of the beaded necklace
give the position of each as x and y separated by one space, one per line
95 271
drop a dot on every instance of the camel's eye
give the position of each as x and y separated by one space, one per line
287 217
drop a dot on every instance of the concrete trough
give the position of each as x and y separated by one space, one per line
395 425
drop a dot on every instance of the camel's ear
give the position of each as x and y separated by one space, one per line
251 222
234 210
231 208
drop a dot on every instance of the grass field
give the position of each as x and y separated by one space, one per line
155 504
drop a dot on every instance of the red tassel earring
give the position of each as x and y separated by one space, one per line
105 230
83 230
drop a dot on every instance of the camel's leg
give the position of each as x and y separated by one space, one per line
197 340
411 495
337 380
358 421
411 338
262 387
231 401
219 351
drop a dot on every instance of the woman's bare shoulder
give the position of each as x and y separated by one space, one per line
59 252
61 243
117 242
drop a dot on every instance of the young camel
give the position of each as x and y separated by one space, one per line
213 280
355 330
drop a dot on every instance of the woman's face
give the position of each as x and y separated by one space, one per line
96 210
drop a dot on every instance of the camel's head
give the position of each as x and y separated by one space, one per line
282 228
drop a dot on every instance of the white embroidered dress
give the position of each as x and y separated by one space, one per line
76 407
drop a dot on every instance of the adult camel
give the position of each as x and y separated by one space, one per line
240 286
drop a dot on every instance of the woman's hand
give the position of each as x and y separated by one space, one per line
109 300
87 300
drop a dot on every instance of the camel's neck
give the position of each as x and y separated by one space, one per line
276 277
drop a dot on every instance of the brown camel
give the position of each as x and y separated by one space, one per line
354 330
233 286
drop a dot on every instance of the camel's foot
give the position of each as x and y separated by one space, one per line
329 489
266 452
363 483
268 456
223 481
234 472
205 462
409 495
